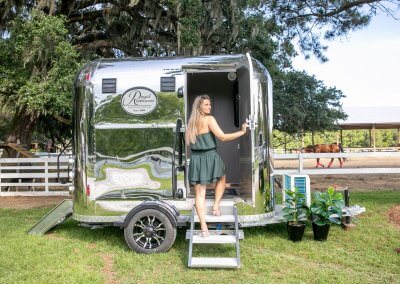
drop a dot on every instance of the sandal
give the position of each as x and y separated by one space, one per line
216 212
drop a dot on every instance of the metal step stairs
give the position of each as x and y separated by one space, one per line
229 218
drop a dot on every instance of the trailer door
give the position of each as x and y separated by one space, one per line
247 112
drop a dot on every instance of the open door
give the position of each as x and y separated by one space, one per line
233 103
247 112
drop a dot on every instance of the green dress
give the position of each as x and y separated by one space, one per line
206 166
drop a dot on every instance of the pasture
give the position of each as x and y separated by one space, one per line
73 254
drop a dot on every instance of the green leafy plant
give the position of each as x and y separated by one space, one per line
327 207
295 210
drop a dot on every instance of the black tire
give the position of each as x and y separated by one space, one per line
150 231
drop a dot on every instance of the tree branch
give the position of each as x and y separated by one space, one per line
342 8
62 119
96 44
87 16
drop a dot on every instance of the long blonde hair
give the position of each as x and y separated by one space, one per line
195 116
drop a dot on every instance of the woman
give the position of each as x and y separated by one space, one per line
206 165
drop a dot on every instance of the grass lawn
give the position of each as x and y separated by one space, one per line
73 254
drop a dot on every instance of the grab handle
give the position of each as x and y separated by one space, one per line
176 167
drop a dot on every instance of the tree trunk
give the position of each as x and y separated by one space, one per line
21 130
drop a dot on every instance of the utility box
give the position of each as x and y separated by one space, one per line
302 182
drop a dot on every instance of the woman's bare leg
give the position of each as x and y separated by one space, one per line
201 205
219 192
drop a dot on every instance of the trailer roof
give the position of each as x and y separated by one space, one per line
387 117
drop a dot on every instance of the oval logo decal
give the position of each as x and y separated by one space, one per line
139 101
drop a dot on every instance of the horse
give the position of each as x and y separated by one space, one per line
325 148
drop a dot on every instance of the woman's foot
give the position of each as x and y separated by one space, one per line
204 234
216 212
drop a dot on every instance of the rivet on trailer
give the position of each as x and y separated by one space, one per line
131 161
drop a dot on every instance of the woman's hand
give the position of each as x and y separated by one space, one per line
244 127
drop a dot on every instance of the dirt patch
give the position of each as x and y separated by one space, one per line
91 245
353 182
54 236
26 202
394 215
108 269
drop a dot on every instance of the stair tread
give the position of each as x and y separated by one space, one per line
217 219
215 262
217 232
214 239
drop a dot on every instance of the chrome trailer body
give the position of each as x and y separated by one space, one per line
129 121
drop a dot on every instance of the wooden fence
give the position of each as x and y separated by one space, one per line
35 176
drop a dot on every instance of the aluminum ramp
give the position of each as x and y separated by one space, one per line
217 236
56 216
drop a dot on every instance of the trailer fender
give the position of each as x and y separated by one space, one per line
169 210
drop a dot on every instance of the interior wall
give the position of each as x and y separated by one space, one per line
222 92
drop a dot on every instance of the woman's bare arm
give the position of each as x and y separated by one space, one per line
217 131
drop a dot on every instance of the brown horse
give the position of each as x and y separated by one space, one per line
325 148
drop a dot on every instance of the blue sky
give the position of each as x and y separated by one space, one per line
365 65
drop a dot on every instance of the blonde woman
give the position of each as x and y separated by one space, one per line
206 166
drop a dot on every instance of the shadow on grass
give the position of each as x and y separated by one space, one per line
113 237
110 236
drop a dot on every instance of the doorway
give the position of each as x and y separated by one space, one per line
227 107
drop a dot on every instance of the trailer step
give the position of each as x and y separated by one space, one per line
215 262
216 233
217 219
56 216
215 237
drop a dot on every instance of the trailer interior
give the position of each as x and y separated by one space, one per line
230 100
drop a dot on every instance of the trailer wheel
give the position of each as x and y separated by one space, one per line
150 231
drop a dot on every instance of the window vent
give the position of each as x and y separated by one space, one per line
109 85
167 84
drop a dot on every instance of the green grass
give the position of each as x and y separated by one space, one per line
73 254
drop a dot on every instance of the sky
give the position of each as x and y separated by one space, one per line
365 65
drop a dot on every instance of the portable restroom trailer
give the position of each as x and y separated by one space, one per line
131 161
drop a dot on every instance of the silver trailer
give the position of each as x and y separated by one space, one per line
131 161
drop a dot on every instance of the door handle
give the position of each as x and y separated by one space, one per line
251 122
176 167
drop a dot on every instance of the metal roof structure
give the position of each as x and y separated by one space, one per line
387 117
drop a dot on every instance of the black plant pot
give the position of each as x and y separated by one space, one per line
320 232
295 231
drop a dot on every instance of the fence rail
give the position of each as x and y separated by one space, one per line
329 171
35 176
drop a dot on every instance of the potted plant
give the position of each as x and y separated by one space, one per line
326 209
295 213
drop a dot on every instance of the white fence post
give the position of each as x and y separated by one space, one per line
46 176
300 162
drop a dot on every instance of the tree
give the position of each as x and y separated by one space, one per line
37 71
117 28
310 107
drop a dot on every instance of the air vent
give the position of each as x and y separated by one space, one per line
109 85
167 84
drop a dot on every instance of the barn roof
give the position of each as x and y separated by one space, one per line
387 117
